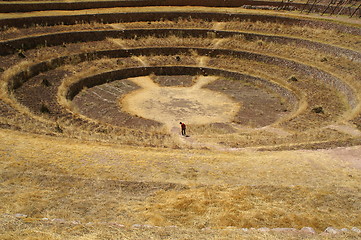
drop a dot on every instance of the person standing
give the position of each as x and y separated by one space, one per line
183 127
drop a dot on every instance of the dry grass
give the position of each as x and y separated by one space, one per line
247 207
136 9
9 33
263 138
92 182
342 19
101 231
172 61
169 41
179 23
305 32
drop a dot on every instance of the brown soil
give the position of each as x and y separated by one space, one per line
259 106
173 81
101 103
41 91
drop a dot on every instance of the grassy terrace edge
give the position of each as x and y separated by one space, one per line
25 43
71 19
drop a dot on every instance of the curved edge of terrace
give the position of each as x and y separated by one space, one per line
11 46
326 77
154 16
110 76
27 7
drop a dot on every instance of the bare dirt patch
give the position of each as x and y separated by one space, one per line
173 104
101 103
259 106
351 156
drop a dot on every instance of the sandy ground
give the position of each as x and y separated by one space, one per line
170 105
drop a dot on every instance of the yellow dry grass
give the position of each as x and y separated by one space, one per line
344 19
303 32
279 29
93 182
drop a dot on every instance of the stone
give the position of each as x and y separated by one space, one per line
142 226
44 109
21 54
308 230
147 226
284 229
264 229
46 83
355 229
172 226
118 225
58 129
59 220
293 79
318 110
344 229
19 215
206 229
332 230
231 227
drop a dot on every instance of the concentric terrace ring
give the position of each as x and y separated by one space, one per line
54 109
